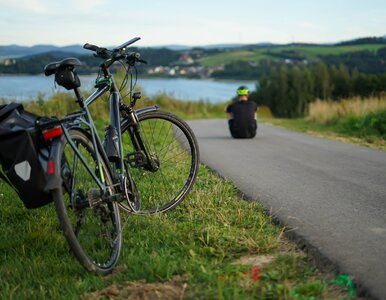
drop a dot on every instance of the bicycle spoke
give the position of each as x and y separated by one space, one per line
95 224
170 146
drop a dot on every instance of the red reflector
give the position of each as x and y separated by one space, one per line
52 133
50 167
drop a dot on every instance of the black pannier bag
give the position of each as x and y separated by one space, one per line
23 157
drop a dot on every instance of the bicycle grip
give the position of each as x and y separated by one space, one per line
90 47
134 55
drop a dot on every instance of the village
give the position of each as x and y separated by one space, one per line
186 66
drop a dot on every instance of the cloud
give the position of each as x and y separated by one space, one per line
86 4
34 6
49 7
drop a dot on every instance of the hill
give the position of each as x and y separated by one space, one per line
227 61
15 51
285 52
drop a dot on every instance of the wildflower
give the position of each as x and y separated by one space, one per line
255 273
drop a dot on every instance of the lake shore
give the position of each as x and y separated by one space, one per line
29 87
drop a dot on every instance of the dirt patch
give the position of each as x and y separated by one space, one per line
243 53
141 290
261 260
255 260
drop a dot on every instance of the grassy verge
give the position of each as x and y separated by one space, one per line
200 242
367 130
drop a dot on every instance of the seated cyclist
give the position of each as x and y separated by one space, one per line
242 115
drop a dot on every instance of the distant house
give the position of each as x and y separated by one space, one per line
8 62
186 58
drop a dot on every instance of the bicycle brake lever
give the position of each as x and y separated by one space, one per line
136 96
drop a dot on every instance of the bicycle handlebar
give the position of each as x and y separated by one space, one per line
99 52
117 53
90 47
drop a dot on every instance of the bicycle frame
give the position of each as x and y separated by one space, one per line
83 117
88 207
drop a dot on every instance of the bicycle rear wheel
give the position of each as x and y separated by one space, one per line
90 224
173 147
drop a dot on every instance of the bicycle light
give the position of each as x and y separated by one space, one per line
52 133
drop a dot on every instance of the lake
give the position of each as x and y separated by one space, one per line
23 88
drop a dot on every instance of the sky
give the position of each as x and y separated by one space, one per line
193 23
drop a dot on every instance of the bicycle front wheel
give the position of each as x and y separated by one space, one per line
172 146
90 224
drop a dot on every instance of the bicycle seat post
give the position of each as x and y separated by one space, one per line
79 97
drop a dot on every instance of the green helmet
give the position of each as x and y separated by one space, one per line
242 91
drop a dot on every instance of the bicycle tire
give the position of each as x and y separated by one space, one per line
165 135
93 232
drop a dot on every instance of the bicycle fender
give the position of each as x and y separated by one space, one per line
54 179
145 110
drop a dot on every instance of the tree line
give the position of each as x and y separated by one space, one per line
365 61
288 89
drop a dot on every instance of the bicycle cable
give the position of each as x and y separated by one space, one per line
132 85
124 81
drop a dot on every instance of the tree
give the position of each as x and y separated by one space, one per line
322 82
341 82
282 101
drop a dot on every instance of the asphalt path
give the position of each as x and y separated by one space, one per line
332 195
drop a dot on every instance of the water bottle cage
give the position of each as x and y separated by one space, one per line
111 143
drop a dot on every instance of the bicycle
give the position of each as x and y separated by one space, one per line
146 164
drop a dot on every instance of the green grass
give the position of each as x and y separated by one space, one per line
371 125
315 51
368 130
200 240
233 55
309 52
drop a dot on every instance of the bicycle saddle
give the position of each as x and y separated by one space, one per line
53 67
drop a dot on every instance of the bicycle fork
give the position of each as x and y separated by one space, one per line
114 150
141 157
